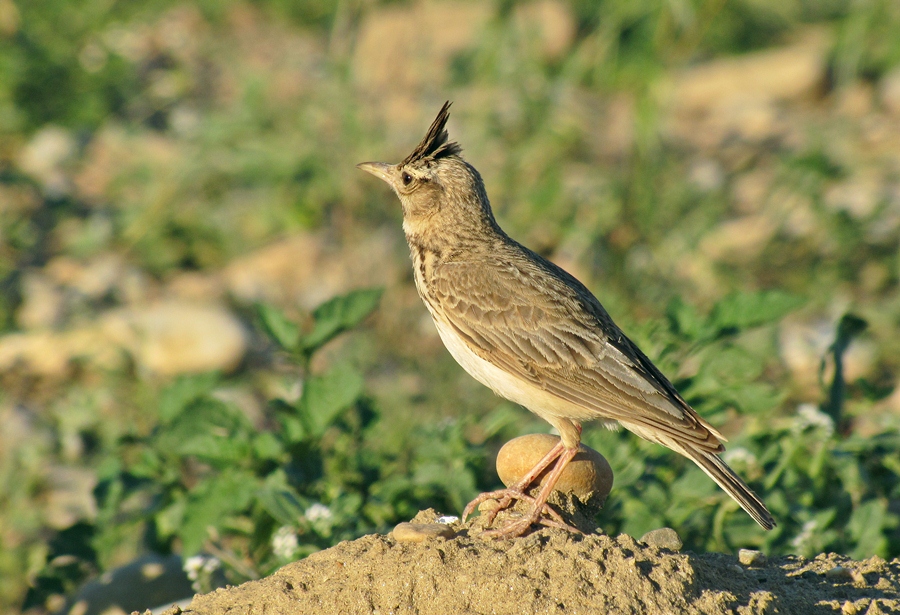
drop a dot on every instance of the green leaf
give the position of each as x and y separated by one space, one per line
181 393
339 314
285 333
211 502
209 429
267 446
685 320
324 397
281 500
868 526
753 397
731 365
169 519
745 309
640 516
293 428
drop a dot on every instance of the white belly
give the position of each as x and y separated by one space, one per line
544 404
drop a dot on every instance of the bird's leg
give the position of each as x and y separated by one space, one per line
516 491
539 505
562 456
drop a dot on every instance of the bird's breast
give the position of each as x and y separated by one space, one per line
528 394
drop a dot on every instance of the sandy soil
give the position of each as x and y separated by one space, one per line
552 571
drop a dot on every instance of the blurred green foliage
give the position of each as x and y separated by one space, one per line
207 481
206 152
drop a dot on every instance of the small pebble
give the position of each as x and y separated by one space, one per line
664 538
420 532
840 573
448 519
751 557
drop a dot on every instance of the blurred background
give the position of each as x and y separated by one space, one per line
212 355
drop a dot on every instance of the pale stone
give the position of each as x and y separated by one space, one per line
787 73
740 239
751 557
175 337
839 573
855 100
167 338
276 272
707 175
740 96
42 353
857 196
548 25
304 270
42 302
9 18
94 278
420 532
43 156
664 538
402 47
588 474
889 92
751 189
404 52
195 286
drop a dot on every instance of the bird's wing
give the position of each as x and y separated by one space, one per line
539 323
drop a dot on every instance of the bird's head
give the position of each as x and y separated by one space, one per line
436 187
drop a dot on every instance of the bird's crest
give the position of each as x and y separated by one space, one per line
435 146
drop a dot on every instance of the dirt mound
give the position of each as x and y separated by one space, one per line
552 571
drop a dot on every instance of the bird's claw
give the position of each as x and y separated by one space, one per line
544 514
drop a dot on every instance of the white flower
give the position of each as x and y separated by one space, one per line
211 565
809 415
317 512
199 570
739 455
193 565
447 519
806 533
285 543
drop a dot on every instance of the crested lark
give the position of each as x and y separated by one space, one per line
533 333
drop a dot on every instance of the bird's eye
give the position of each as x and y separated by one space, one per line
407 178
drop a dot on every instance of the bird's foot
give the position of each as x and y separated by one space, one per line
540 513
518 527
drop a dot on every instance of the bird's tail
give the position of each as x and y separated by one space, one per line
725 477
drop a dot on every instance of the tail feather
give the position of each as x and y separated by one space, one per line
725 477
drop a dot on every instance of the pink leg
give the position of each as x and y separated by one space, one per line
517 528
516 491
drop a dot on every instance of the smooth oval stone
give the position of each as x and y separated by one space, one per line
588 473
420 532
840 573
751 557
664 538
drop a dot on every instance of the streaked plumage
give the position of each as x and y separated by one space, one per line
527 329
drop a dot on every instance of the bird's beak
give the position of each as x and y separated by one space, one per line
378 169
